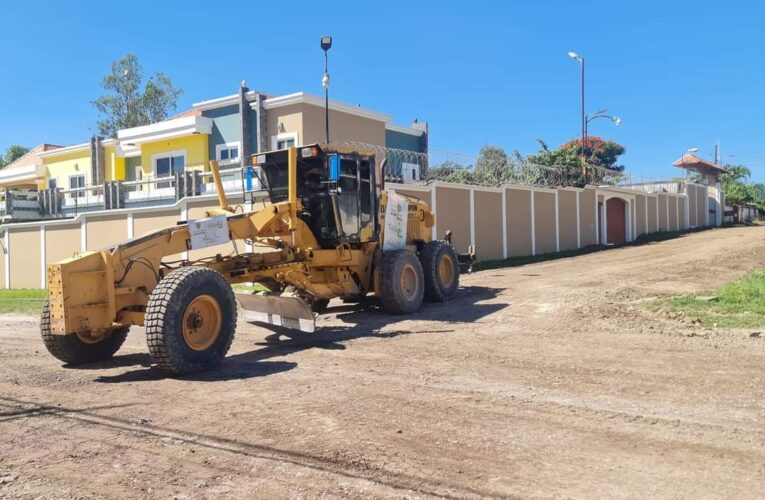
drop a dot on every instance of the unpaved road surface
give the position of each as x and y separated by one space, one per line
548 380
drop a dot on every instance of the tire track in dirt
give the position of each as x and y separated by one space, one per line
25 409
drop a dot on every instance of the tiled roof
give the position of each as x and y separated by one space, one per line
692 162
32 157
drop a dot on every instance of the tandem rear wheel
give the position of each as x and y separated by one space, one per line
440 267
190 320
402 284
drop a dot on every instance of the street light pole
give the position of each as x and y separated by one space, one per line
584 119
599 114
579 58
682 159
326 43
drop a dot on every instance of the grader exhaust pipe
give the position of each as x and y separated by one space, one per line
222 201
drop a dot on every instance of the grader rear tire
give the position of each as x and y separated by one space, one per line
75 350
442 272
402 284
190 320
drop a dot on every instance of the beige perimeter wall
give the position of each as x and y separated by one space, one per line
663 201
488 227
567 215
453 212
692 200
640 218
681 212
653 224
452 205
62 242
25 258
544 222
518 222
104 232
588 222
702 206
672 213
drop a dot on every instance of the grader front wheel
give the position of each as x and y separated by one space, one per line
190 320
75 349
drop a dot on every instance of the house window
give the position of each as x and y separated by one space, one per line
167 165
75 182
228 153
284 141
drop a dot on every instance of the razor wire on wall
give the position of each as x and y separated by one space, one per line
402 165
448 166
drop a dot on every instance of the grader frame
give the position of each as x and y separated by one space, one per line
96 296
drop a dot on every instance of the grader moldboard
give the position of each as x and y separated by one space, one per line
323 236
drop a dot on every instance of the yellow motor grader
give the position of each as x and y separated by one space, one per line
330 231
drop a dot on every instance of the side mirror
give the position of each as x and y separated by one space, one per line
334 168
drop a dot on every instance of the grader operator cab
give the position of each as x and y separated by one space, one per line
330 231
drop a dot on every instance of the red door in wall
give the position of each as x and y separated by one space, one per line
615 225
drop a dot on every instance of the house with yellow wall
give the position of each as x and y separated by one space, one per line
164 148
226 129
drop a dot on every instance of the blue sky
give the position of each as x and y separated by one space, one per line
680 74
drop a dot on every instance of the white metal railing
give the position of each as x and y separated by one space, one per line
81 197
19 204
151 189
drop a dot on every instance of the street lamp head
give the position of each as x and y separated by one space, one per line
692 150
574 55
326 43
617 121
599 112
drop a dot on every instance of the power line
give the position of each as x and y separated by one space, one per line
749 158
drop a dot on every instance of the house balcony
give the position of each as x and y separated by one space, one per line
18 205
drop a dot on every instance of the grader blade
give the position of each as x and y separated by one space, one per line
285 311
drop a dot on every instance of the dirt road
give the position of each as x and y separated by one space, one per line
543 380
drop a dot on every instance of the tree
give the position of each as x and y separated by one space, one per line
12 153
126 105
734 184
489 158
450 171
597 152
601 157
759 192
493 167
559 167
